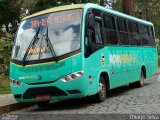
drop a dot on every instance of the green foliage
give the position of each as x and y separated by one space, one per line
5 86
117 5
38 5
144 9
9 11
5 50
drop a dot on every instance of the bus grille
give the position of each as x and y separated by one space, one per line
52 91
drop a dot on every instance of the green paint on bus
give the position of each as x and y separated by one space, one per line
99 43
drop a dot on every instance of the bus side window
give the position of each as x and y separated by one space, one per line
110 29
151 36
131 33
123 32
144 35
136 36
89 34
93 34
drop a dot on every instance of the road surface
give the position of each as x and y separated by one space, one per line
123 100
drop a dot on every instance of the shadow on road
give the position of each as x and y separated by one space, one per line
122 90
72 104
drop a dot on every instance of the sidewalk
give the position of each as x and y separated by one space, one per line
8 104
7 99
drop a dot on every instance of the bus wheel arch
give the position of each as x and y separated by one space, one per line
140 82
143 69
103 87
106 78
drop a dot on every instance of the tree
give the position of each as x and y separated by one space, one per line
102 2
10 9
5 50
38 5
128 7
143 9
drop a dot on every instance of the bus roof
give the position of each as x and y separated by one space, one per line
88 5
117 13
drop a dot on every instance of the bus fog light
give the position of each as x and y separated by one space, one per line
72 76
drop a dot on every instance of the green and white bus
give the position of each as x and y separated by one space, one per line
80 50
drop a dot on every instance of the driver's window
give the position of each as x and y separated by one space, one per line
93 32
98 33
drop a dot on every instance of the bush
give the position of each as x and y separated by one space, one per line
5 50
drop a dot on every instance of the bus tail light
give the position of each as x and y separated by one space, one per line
72 76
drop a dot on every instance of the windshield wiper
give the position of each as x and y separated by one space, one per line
31 45
50 46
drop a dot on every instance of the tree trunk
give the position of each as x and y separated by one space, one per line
128 7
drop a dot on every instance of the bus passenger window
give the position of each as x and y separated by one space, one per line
136 36
151 36
123 32
131 33
144 34
110 30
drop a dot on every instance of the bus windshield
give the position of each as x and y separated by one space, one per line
63 29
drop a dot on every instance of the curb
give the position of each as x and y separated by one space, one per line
12 107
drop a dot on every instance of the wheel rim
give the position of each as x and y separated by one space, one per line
102 90
142 79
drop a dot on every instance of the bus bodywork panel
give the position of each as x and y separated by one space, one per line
122 64
48 75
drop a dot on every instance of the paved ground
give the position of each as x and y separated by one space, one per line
121 100
7 99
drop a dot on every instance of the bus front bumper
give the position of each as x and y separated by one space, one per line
58 90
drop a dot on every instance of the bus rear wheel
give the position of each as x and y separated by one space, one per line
101 95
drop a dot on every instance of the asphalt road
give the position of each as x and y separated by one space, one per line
123 100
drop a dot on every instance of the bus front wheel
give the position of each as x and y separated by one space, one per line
101 95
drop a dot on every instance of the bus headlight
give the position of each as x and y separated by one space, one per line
72 76
16 82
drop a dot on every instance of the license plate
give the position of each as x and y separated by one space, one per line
43 97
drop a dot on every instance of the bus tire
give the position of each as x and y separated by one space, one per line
43 103
139 83
101 95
